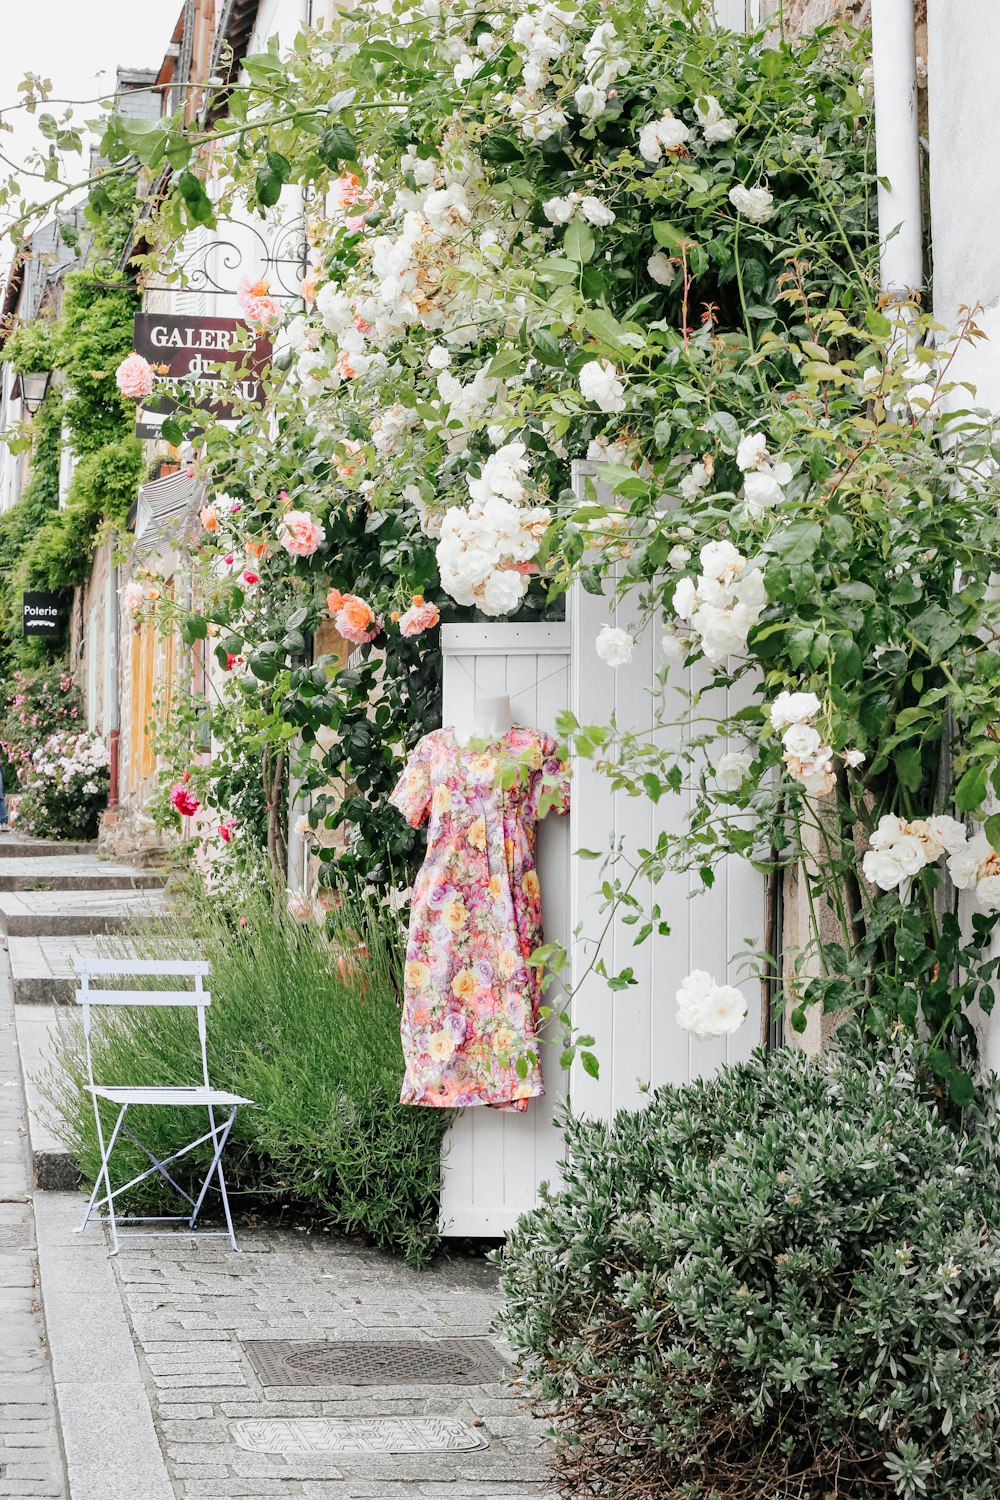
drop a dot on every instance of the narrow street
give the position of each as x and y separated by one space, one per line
304 1366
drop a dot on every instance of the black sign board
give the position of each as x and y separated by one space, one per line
195 350
41 615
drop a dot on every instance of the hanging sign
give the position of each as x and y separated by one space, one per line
41 614
198 351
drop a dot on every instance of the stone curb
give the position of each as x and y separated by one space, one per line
111 1447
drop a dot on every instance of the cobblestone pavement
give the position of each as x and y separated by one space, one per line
193 1306
30 1454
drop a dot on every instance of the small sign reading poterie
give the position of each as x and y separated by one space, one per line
195 351
41 614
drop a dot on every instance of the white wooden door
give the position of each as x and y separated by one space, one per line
493 1162
638 1041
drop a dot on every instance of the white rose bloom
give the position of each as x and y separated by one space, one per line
988 893
674 647
677 558
439 358
614 646
750 591
794 708
755 204
599 383
761 492
722 633
909 854
662 136
946 831
751 450
334 308
801 740
686 599
707 1009
503 591
881 867
660 268
964 863
715 126
721 561
590 100
854 758
597 213
732 768
561 210
694 481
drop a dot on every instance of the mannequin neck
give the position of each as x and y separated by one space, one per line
484 719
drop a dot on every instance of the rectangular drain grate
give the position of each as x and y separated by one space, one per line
376 1362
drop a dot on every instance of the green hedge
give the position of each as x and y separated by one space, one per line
777 1284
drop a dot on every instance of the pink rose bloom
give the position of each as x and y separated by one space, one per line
250 577
134 377
184 800
262 313
419 617
227 830
300 533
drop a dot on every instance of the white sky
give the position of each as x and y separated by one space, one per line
78 45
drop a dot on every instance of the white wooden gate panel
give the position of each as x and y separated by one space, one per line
638 1041
494 1162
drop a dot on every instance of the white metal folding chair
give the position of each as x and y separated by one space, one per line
200 1096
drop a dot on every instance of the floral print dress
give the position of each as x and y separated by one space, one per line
470 996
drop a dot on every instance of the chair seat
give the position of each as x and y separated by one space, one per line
168 1095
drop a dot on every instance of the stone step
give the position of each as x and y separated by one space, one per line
43 967
75 913
18 846
79 872
38 1029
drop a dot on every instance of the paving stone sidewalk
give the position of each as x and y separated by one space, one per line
31 1463
194 1307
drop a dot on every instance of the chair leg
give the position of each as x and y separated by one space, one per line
215 1169
102 1169
107 1174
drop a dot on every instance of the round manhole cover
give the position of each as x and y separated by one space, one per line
357 1435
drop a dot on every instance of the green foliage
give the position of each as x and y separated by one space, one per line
780 1282
31 346
102 490
95 334
18 527
310 1031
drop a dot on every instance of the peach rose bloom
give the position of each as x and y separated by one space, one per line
345 190
258 548
209 518
356 620
419 617
134 377
300 533
334 601
344 367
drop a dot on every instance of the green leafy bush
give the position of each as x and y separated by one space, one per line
313 1040
780 1282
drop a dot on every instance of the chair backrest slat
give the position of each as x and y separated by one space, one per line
143 997
145 966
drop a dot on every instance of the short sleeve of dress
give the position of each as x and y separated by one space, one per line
412 793
551 790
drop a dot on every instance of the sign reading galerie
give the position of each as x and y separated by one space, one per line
197 351
41 615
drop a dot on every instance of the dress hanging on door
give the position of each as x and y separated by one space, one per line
470 996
